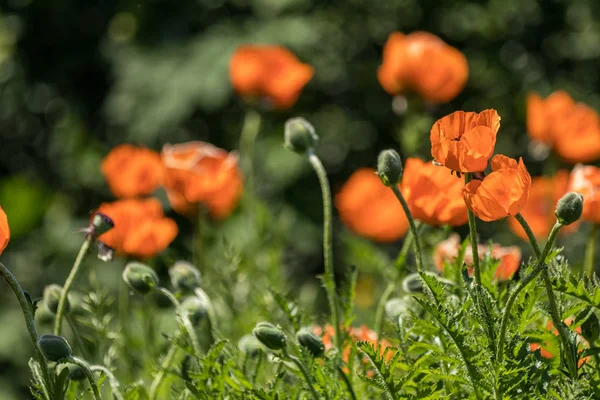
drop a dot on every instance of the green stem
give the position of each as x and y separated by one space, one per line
300 366
401 259
185 321
86 369
530 235
257 367
160 376
381 306
62 302
34 366
329 279
473 238
112 381
347 383
29 322
77 336
539 266
250 130
590 250
413 227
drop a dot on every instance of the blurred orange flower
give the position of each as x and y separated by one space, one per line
464 141
424 63
539 209
198 172
371 209
132 171
433 193
572 129
580 340
4 230
585 180
509 257
140 228
502 193
270 72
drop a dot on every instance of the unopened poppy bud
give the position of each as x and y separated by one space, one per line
52 297
300 135
184 276
396 307
310 342
569 208
590 329
195 309
101 223
412 283
389 167
76 373
270 335
140 277
54 348
250 345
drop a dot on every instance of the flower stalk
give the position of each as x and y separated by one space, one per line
88 373
590 252
473 238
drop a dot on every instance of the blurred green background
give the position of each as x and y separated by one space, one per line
79 77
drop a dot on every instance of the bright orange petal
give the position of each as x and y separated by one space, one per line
4 230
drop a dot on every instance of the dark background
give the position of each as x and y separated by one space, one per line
79 77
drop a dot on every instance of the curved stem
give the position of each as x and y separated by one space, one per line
113 382
29 322
539 266
380 307
329 278
590 250
304 372
530 235
473 239
185 321
88 373
250 130
62 302
347 383
401 259
413 227
158 378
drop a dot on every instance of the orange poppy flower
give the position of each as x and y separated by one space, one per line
371 209
270 72
585 180
132 171
572 129
502 193
424 63
541 205
580 340
433 193
198 172
509 257
140 228
464 141
4 230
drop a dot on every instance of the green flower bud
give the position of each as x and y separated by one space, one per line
310 342
250 345
300 135
52 297
590 329
195 309
569 208
101 223
412 283
389 167
43 315
184 276
76 373
270 335
397 306
54 348
140 277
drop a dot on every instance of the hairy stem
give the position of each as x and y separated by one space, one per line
590 250
473 239
112 381
29 322
88 373
160 375
62 302
329 279
302 369
185 321
413 227
347 383
530 235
